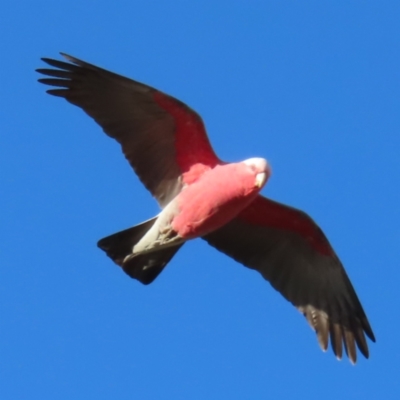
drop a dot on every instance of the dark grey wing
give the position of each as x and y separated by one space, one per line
160 136
292 253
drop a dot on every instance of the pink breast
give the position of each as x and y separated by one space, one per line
215 199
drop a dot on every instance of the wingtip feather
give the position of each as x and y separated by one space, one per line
68 57
350 346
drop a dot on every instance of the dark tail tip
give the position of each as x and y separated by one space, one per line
143 267
146 267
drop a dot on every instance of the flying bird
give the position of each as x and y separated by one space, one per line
166 144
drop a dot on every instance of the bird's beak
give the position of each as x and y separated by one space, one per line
261 178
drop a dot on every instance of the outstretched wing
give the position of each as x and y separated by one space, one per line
292 253
162 138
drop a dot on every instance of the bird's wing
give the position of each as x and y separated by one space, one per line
293 254
161 137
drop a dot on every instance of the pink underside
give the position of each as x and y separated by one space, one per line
215 199
267 213
195 156
194 153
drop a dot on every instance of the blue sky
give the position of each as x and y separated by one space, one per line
312 86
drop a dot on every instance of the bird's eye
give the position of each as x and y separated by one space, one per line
253 167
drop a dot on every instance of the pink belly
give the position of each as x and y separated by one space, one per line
213 201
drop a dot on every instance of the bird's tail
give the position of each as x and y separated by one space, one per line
143 267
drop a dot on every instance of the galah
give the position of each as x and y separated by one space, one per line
166 144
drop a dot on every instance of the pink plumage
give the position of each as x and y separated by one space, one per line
218 196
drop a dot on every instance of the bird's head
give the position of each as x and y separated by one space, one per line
261 170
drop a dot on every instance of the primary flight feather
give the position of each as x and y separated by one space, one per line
166 144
